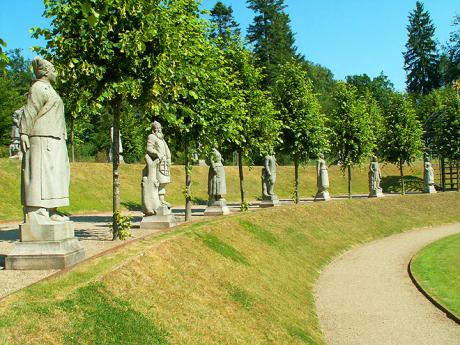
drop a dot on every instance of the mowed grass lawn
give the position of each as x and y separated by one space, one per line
243 279
437 270
91 185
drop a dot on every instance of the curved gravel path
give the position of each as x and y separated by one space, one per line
366 296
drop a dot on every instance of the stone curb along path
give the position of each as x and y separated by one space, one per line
432 299
367 297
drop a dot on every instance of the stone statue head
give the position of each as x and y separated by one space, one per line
157 130
321 156
374 158
43 68
427 159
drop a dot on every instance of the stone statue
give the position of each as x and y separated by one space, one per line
428 177
45 168
322 180
47 238
155 176
15 146
217 187
375 177
269 198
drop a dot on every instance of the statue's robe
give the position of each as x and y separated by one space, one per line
45 175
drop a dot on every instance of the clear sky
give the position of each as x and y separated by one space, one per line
347 36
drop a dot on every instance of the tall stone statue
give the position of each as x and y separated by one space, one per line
217 187
47 238
322 180
15 146
375 177
428 177
155 176
269 198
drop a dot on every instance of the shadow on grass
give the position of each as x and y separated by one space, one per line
132 206
9 235
392 184
199 201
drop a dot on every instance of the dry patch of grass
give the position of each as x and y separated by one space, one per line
244 279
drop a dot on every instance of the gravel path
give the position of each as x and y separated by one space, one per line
366 296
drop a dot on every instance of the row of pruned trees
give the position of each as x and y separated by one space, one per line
162 60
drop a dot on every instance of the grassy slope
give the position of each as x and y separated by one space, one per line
243 279
437 269
91 185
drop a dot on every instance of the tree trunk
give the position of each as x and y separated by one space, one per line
296 177
116 109
72 139
349 181
241 173
188 183
403 189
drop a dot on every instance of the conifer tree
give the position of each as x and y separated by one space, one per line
452 71
421 60
271 35
225 24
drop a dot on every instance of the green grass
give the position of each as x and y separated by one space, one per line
91 185
437 270
192 286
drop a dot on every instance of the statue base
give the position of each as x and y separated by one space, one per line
163 219
376 193
322 196
217 208
269 201
45 245
430 190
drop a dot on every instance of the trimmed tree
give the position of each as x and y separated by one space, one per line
255 117
113 51
194 93
402 137
355 122
304 132
447 125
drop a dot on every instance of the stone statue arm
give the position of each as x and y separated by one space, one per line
267 166
168 154
212 162
150 149
36 100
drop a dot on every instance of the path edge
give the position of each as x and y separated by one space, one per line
430 298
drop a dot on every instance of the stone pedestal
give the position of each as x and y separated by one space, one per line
376 193
163 219
45 245
217 208
270 201
322 196
430 189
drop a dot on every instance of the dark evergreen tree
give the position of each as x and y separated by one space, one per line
451 70
421 60
225 25
271 35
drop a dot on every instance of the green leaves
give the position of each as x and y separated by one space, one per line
354 122
402 139
304 132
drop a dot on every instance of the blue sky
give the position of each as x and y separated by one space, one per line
348 37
